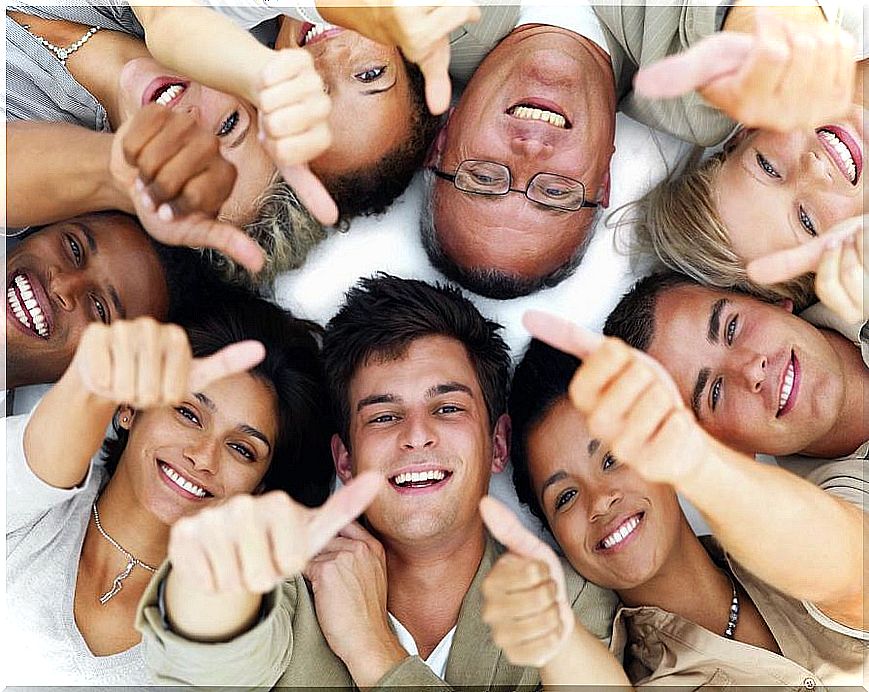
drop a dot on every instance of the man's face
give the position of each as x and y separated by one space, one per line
422 422
588 497
536 70
96 268
758 378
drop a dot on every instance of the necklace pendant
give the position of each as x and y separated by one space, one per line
116 584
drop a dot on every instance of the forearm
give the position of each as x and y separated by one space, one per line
205 46
65 431
57 171
583 658
771 521
203 617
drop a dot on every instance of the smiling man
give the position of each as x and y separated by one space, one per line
757 377
419 379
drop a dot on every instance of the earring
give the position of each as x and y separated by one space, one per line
125 420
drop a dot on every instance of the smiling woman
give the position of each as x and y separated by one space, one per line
207 414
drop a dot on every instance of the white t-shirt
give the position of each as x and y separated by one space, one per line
437 660
576 16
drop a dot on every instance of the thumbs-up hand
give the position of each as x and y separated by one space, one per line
838 259
762 79
294 126
629 401
525 599
144 363
249 544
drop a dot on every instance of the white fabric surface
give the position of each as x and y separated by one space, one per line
437 659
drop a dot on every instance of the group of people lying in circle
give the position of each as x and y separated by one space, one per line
172 514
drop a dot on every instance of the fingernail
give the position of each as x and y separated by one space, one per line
147 201
164 213
140 185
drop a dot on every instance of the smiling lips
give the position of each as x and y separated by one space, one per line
422 480
164 91
843 150
311 33
625 529
187 486
544 111
790 386
26 307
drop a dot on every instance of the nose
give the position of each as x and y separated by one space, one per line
752 370
68 288
530 147
203 452
817 167
602 499
417 433
194 112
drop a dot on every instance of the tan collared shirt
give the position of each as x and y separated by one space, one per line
661 648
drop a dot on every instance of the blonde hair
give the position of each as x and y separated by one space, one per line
284 230
678 222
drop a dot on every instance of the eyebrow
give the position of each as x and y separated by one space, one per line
376 399
554 478
243 427
715 321
699 386
95 250
593 445
447 388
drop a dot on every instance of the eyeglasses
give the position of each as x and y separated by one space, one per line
494 179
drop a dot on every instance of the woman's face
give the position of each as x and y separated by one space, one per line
615 528
776 191
234 121
370 92
216 443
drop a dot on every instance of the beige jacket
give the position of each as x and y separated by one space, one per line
287 648
665 649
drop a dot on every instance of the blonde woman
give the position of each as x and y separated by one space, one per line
792 174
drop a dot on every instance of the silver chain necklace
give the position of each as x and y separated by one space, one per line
132 561
733 615
63 53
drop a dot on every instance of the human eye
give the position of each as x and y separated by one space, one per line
608 461
75 250
100 309
449 408
228 125
731 330
715 393
243 450
370 75
807 223
187 413
384 418
563 498
766 166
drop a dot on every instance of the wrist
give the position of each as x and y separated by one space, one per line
368 664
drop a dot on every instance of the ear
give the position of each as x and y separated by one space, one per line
436 150
501 444
342 458
786 303
604 193
125 415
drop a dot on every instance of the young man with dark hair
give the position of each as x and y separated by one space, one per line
757 377
419 379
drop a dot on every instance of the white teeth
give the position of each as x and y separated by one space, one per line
316 30
170 93
621 533
787 386
181 482
419 477
843 152
29 314
529 113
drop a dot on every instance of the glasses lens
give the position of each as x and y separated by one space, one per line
556 191
483 177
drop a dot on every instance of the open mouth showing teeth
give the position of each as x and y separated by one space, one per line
528 112
182 482
627 527
167 94
314 31
787 387
27 311
419 479
834 141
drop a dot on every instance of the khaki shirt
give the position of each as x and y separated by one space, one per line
288 649
662 648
